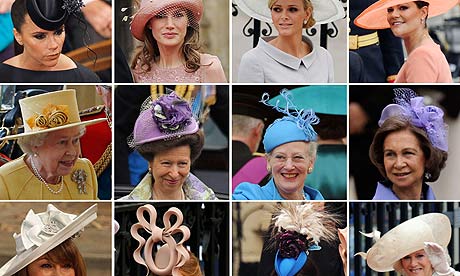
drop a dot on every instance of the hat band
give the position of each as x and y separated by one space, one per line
51 116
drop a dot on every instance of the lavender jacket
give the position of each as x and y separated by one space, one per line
385 193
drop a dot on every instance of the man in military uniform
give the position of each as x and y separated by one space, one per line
100 152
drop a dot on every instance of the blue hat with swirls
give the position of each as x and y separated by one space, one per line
296 126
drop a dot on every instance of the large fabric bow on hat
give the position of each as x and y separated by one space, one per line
178 254
38 228
428 118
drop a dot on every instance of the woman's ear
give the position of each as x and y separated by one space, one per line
18 36
308 13
424 12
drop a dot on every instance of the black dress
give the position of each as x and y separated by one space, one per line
11 74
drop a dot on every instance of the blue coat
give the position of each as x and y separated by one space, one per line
385 193
250 191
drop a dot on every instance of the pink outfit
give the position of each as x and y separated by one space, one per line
426 64
210 71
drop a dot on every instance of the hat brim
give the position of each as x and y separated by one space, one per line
18 262
374 17
324 11
85 123
407 238
146 13
330 99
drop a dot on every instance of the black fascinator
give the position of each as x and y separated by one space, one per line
52 14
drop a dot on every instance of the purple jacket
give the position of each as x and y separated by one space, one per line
385 193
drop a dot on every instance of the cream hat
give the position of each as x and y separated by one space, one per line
42 232
49 112
407 238
324 11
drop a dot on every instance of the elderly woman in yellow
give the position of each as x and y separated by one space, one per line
50 168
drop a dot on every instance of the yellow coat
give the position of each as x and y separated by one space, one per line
18 182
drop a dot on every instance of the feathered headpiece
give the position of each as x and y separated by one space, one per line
297 125
299 228
411 107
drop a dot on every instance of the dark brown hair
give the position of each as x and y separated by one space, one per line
150 52
65 253
195 141
435 159
421 4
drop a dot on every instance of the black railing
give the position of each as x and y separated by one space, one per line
383 216
208 223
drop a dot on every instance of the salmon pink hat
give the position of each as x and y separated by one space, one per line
375 16
151 8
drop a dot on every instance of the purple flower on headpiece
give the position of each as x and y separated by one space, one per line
291 243
171 113
428 118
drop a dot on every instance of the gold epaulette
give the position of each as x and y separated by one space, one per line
92 110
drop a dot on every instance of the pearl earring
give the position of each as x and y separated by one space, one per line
305 21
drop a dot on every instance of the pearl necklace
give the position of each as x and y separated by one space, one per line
37 174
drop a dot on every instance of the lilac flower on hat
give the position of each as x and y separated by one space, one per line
171 113
429 118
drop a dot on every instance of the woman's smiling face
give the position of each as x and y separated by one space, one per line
417 263
403 159
405 19
289 164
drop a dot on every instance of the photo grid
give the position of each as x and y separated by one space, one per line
242 137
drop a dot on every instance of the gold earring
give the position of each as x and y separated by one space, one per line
310 170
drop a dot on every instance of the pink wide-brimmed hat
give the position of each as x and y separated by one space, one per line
150 8
375 16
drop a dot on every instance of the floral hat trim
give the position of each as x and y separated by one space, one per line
171 113
304 118
299 229
51 116
429 118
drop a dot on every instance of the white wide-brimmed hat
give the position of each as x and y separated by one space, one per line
49 112
324 11
406 238
42 232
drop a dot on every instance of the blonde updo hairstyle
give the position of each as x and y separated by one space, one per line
306 5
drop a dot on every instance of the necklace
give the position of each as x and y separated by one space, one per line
37 174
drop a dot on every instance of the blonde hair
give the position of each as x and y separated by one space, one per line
306 5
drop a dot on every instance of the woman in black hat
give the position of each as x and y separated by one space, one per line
39 31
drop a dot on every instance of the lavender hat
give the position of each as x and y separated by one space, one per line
429 118
168 117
